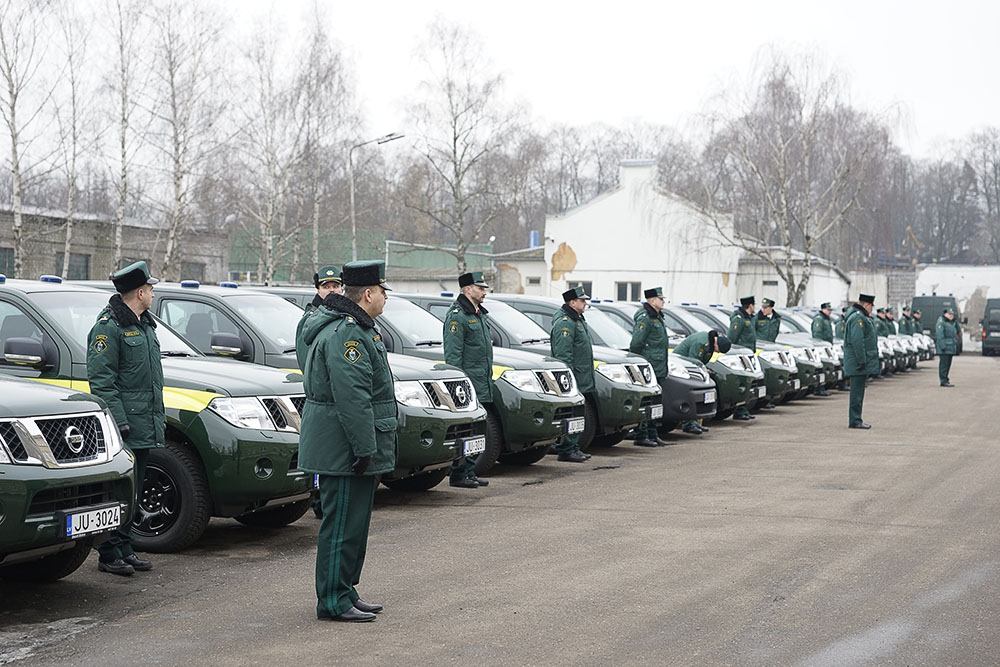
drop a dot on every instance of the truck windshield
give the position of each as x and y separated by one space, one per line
609 331
412 321
273 317
518 326
76 312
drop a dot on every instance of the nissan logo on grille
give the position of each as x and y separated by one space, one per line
460 395
564 381
74 439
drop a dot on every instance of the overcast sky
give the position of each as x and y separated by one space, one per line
613 62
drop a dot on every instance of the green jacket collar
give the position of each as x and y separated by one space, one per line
124 316
468 307
573 315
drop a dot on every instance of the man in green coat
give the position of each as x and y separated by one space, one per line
570 342
348 432
881 325
650 340
743 331
822 328
468 345
916 325
701 346
123 368
890 320
946 341
839 331
768 322
906 322
860 355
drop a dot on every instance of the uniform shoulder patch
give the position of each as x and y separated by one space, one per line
352 354
100 345
133 333
565 332
351 343
642 325
452 326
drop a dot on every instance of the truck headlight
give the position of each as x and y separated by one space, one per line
615 373
412 394
800 353
677 369
247 412
772 357
523 380
732 361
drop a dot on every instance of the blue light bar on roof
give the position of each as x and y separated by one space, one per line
447 294
50 279
3 279
229 283
190 283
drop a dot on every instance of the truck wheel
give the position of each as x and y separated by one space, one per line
525 457
589 425
279 517
494 444
50 568
424 481
173 508
609 440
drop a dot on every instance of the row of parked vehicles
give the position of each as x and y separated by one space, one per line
234 395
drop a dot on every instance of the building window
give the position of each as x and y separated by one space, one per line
7 262
534 280
770 283
193 271
79 266
587 285
628 291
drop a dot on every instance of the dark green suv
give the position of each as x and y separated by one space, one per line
990 325
258 327
232 429
64 479
931 307
535 396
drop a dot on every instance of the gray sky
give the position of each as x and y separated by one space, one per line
581 62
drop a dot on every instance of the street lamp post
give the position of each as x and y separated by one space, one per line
392 136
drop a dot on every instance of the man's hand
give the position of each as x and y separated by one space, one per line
123 429
861 367
360 464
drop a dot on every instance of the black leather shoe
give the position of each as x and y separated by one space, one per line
573 457
645 442
947 384
478 480
861 425
117 566
693 430
823 392
371 608
742 418
138 564
704 429
660 442
770 405
354 615
467 483
585 454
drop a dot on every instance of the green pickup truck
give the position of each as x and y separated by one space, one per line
251 325
232 429
535 395
64 479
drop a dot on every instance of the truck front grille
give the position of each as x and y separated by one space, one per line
73 439
9 437
456 431
71 497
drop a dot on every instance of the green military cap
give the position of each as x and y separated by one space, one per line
575 293
905 308
825 305
880 310
747 301
327 274
866 298
765 302
653 291
364 273
916 312
132 277
949 310
472 278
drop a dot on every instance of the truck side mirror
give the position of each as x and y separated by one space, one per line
227 344
24 352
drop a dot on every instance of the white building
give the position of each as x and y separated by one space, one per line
637 236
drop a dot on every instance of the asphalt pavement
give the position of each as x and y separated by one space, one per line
790 540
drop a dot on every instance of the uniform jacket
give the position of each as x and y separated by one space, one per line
946 336
123 367
905 326
916 326
881 326
302 349
742 330
767 327
697 347
821 328
840 326
650 339
468 345
350 409
891 326
571 344
860 343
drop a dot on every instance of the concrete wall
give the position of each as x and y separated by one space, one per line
826 284
517 276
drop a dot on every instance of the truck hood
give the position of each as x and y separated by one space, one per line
417 368
519 360
29 398
229 377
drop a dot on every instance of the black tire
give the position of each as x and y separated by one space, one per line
609 440
50 568
494 444
424 481
723 414
525 457
174 505
589 424
279 517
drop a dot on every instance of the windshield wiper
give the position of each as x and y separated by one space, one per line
289 350
529 341
428 343
175 353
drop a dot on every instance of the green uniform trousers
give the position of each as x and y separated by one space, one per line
688 424
741 410
570 443
857 400
648 430
944 367
119 544
343 539
465 466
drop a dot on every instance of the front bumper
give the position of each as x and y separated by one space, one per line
622 406
685 399
732 387
426 439
779 380
530 419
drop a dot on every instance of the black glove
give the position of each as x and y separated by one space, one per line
123 429
360 464
861 367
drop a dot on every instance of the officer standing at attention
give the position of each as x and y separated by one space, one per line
742 331
123 363
905 322
860 355
890 320
570 342
348 432
840 325
915 325
946 341
822 328
768 322
650 341
327 281
701 346
881 324
468 345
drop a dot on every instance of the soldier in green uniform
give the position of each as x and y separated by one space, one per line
701 346
742 331
123 368
839 331
860 355
348 432
468 345
881 325
915 324
571 344
946 341
822 328
905 322
890 321
650 340
768 322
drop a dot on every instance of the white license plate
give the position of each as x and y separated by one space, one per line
840 375
575 425
761 392
315 481
796 384
93 521
710 396
655 411
995 334
473 446
822 378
